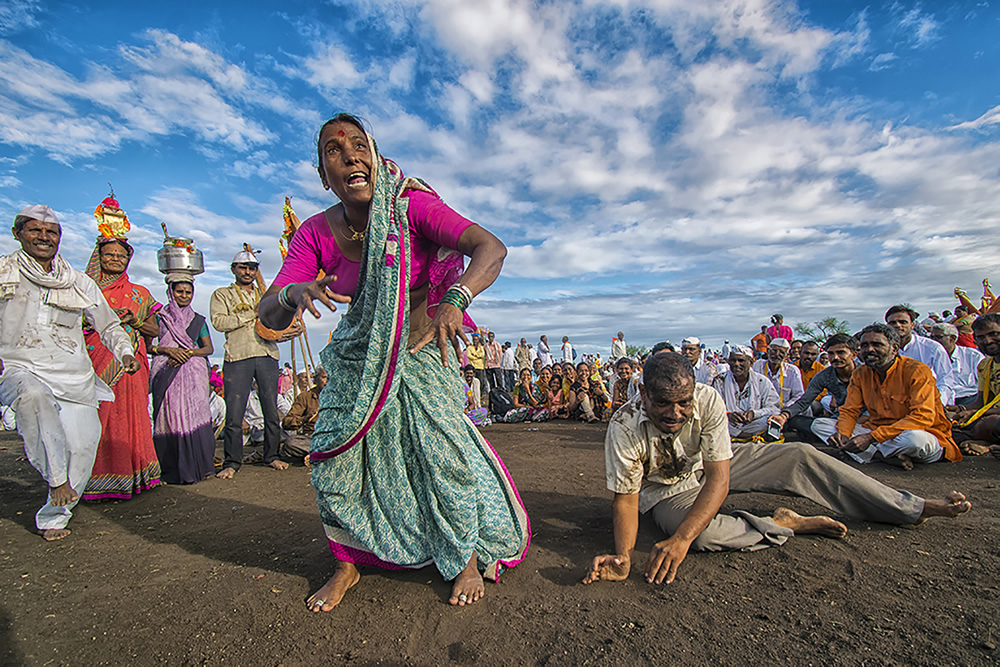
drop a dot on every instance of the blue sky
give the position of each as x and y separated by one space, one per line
665 167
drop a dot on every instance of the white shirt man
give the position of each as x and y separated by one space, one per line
964 362
786 377
750 398
618 348
543 351
704 372
567 350
924 350
46 371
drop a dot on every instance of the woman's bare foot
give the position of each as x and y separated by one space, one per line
226 473
951 506
53 534
467 587
62 495
329 596
819 525
278 464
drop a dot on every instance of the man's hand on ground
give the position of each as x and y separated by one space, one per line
665 558
608 568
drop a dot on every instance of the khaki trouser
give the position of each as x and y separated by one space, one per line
789 469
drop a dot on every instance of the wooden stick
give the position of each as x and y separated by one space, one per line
305 334
295 374
309 369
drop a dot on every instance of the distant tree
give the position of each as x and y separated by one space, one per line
636 350
822 329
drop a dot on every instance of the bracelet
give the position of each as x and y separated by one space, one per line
459 296
284 301
454 298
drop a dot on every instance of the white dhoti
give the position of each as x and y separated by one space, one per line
920 446
60 438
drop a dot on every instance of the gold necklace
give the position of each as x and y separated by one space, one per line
355 234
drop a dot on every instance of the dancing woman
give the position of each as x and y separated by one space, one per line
402 478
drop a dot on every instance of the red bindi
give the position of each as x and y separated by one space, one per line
341 133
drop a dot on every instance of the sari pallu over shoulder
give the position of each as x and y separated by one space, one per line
425 486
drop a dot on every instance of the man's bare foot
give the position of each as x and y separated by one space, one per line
951 506
333 591
900 461
995 451
818 525
226 473
307 462
974 447
53 534
278 464
62 495
467 587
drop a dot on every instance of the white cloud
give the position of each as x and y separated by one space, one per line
882 61
923 29
991 117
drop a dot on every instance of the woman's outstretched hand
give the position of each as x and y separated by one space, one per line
304 294
446 327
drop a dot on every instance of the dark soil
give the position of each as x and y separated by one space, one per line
217 573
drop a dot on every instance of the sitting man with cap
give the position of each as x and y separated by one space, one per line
704 372
964 362
46 375
249 357
749 397
667 454
784 376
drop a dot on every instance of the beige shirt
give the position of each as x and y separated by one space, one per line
233 311
640 458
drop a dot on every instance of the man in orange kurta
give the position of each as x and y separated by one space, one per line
907 423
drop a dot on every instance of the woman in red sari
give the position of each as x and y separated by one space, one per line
126 461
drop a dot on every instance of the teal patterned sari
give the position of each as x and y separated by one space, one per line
403 479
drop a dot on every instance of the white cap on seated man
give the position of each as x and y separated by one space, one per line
786 377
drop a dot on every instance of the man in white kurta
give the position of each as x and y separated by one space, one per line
704 371
46 375
750 398
786 377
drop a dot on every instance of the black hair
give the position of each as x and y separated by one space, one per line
469 367
980 322
883 329
660 347
842 339
341 117
902 308
665 371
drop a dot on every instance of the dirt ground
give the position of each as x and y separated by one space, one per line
217 573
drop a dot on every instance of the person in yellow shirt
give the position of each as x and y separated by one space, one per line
907 422
477 359
808 366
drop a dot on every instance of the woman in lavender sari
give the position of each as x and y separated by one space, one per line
182 418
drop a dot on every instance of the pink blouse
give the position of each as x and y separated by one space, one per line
313 248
